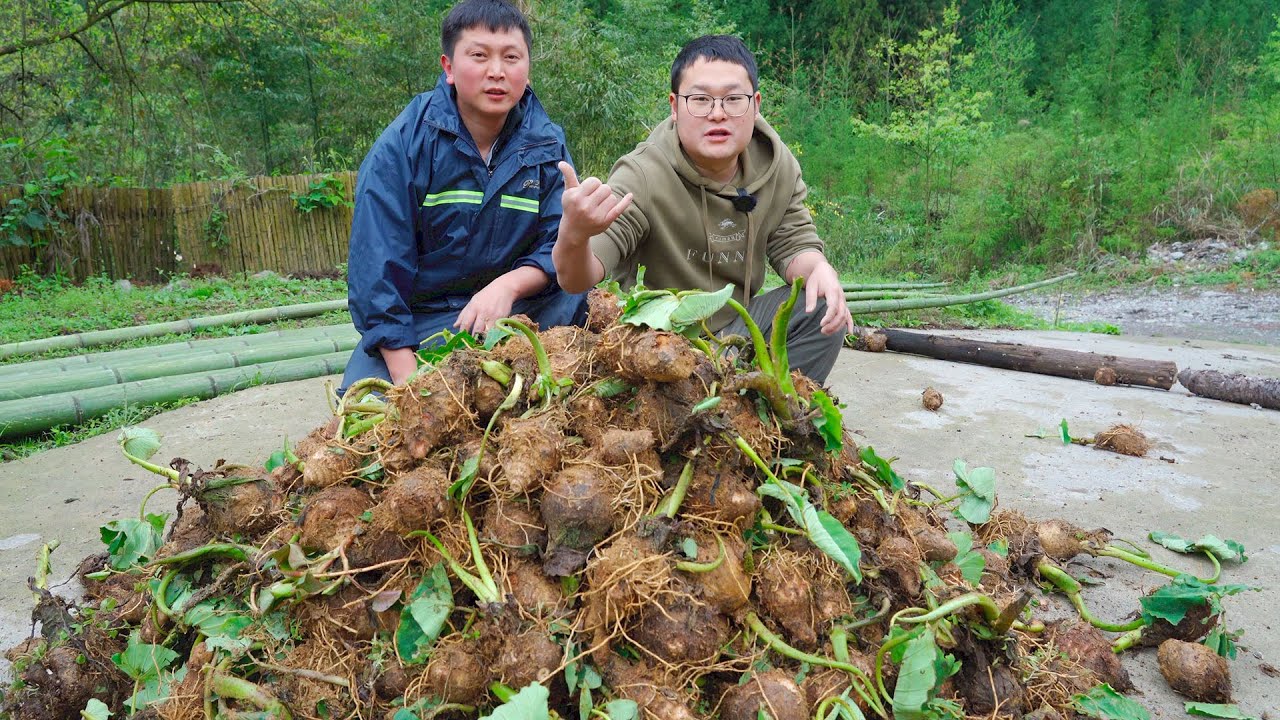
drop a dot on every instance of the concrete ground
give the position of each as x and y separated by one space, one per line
1213 470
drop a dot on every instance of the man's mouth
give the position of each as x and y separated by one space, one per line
496 93
718 133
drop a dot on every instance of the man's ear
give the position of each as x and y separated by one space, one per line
447 66
674 100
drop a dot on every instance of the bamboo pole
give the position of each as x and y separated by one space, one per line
848 287
115 358
866 307
102 337
181 364
886 294
23 417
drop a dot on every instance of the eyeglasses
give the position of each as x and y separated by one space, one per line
699 105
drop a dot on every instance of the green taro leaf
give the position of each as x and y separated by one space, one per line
980 486
833 538
918 678
971 563
132 541
1172 602
609 387
139 442
1104 703
95 709
698 306
1223 641
689 547
1221 549
155 690
422 620
655 313
884 473
622 710
222 622
436 353
528 704
829 423
143 661
277 459
1216 711
461 486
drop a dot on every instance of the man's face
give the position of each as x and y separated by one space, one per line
489 70
718 138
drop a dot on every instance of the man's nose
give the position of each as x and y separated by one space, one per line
495 68
717 109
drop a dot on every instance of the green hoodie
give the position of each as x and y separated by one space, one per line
684 229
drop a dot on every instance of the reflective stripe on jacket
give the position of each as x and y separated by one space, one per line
434 224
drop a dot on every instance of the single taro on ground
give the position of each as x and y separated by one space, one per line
618 522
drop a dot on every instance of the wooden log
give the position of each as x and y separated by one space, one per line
1236 388
1104 369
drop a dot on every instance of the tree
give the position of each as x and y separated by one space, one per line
933 115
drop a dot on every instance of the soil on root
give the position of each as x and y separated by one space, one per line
577 509
1195 671
774 692
332 517
243 501
726 587
1089 651
530 449
1123 439
786 597
415 501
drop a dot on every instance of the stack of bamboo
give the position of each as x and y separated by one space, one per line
39 395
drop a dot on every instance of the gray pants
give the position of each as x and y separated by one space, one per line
808 350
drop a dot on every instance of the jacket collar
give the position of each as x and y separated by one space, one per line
527 117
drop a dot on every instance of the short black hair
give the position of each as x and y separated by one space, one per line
715 47
492 15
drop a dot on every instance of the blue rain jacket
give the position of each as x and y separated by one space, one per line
434 224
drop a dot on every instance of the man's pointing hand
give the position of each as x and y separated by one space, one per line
589 206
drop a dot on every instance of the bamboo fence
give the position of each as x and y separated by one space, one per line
215 227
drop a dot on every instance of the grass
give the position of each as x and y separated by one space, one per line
45 307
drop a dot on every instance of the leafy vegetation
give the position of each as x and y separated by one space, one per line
936 138
40 307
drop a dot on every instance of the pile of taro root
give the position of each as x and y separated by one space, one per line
641 529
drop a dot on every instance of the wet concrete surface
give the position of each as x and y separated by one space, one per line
1213 470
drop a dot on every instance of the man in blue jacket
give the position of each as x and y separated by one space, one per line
458 202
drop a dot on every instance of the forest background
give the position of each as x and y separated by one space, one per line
937 139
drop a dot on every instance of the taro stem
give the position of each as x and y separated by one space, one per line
859 681
481 583
772 358
546 383
1070 587
671 503
778 340
763 360
1112 551
233 688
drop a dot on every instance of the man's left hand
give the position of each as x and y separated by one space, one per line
825 283
486 308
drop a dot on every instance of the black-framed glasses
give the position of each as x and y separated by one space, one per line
701 105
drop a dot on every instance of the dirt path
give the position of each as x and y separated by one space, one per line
1191 313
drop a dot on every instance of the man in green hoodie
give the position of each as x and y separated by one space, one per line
710 196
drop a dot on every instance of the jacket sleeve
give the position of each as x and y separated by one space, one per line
382 257
551 182
796 232
621 239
